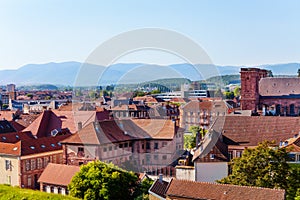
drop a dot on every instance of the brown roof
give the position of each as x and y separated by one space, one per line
26 119
44 124
251 130
33 146
279 86
6 127
63 174
111 131
10 149
200 190
17 126
96 133
159 188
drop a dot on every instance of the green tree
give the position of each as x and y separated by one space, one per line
263 166
142 192
237 91
229 95
101 181
190 140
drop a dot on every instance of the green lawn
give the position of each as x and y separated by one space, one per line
9 193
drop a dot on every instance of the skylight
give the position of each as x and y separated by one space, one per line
59 144
43 146
15 148
53 145
32 147
4 138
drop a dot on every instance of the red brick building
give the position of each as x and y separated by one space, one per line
269 95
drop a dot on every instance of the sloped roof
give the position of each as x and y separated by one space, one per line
6 127
157 128
200 190
10 148
99 133
251 130
15 137
111 131
44 124
63 174
271 86
17 126
30 146
159 188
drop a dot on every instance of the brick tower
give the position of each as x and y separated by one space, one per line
249 87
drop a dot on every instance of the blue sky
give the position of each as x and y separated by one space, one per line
231 32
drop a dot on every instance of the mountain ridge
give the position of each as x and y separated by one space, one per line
67 73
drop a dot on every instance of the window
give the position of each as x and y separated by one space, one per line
120 145
148 145
81 149
39 163
164 157
27 165
29 181
156 145
104 149
212 156
164 144
54 159
238 154
32 164
46 161
126 145
155 157
148 157
110 148
130 144
9 180
8 165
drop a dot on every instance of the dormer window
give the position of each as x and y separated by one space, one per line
212 156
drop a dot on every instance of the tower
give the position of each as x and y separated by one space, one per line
249 87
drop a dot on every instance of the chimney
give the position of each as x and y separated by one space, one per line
79 126
160 178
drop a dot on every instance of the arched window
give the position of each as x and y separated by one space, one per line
278 108
292 109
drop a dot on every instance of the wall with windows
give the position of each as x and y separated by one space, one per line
32 167
9 170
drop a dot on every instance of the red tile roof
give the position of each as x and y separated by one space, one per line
63 174
44 124
199 190
30 146
159 188
279 86
111 131
251 130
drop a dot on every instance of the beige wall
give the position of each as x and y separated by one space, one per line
10 176
210 171
185 173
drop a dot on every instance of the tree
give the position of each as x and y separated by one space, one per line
142 192
237 91
98 180
190 140
229 95
263 166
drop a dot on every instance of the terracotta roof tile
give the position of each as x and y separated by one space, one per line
279 86
200 190
63 174
159 188
251 130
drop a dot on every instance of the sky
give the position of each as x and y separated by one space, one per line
231 32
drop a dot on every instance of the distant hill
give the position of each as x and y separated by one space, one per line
66 73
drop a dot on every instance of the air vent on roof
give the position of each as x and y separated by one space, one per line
4 138
32 147
17 137
43 146
15 148
53 145
59 144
